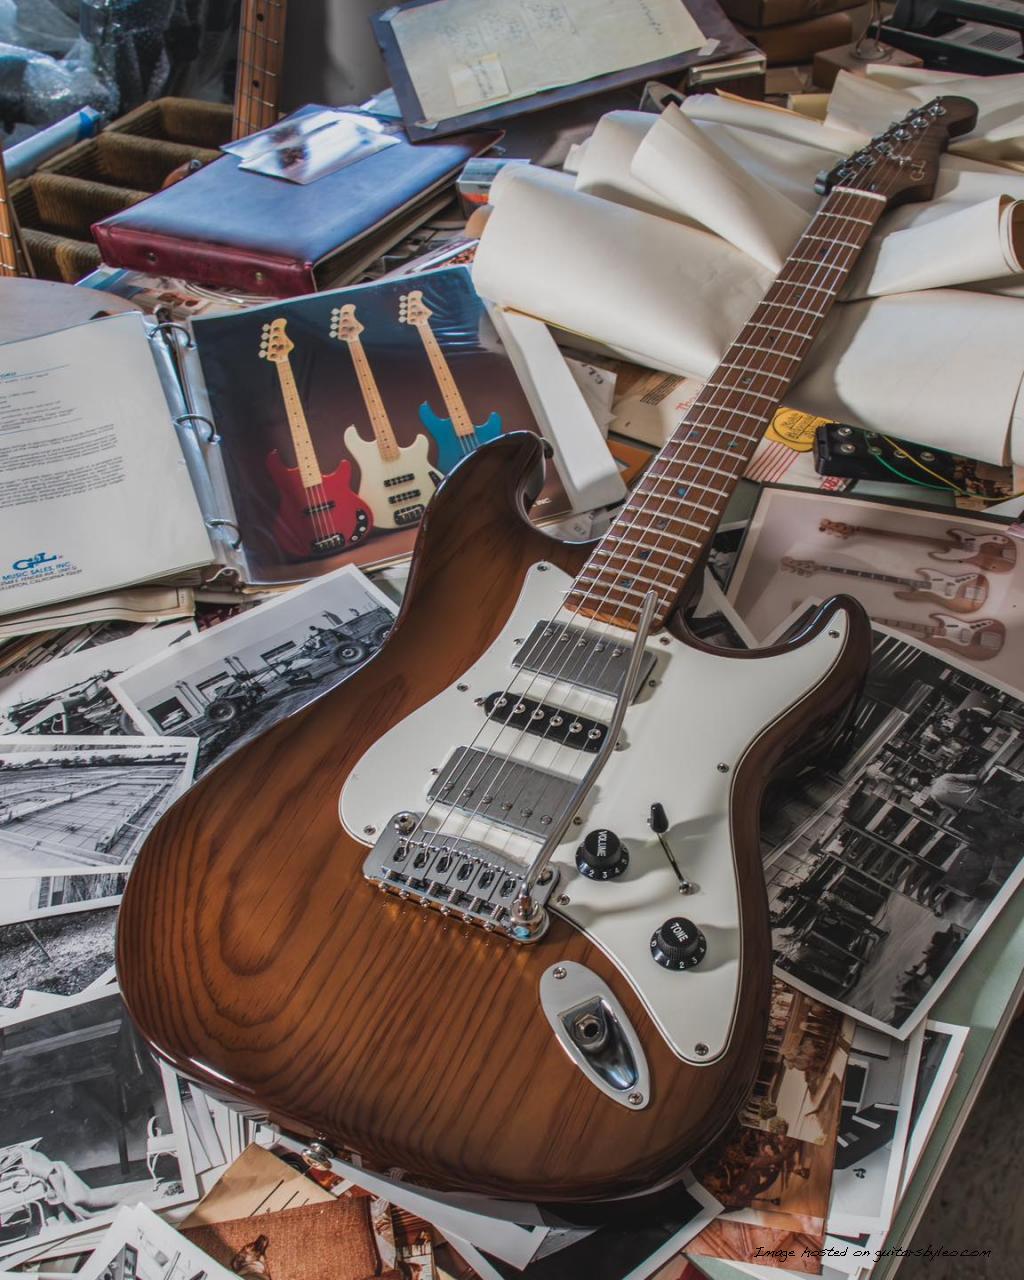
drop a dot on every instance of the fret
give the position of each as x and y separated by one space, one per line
847 217
743 391
761 373
846 244
700 405
790 306
616 587
776 328
669 554
818 262
625 583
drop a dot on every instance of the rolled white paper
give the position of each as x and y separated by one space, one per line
678 160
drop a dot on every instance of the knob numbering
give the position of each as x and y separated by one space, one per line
678 944
602 855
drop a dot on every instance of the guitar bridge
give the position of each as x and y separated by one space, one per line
452 875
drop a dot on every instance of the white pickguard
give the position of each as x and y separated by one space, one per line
704 711
374 473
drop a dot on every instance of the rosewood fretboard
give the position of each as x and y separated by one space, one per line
664 528
260 59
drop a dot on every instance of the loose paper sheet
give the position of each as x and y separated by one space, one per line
94 491
464 55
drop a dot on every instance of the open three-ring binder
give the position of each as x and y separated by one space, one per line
252 449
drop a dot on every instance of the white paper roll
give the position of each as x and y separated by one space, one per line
604 168
678 160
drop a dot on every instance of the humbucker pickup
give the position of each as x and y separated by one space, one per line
409 515
502 790
454 876
550 722
590 659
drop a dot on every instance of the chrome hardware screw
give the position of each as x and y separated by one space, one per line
577 822
435 770
547 873
545 822
652 684
478 702
369 831
664 640
558 973
722 767
543 568
620 745
462 688
701 1050
563 901
834 635
634 1099
317 1155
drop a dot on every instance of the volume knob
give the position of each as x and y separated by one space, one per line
678 944
602 855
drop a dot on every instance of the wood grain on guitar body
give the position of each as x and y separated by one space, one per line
492 911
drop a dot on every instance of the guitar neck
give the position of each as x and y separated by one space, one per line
260 61
871 576
380 422
903 537
915 628
302 441
662 532
8 229
454 404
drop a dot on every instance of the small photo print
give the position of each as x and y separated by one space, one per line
106 1130
232 682
59 954
141 1246
27 896
77 803
886 867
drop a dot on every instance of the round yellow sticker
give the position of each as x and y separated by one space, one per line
794 429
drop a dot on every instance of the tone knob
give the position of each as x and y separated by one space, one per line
678 944
602 855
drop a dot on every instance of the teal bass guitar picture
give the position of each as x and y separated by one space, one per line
456 435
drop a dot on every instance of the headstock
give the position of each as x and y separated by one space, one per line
805 568
837 528
275 345
344 324
412 309
902 163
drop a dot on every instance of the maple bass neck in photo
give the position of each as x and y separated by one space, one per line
492 911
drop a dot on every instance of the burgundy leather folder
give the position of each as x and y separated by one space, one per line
229 228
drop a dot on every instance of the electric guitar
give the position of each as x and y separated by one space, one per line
397 481
261 34
318 515
961 592
993 552
454 436
492 911
977 638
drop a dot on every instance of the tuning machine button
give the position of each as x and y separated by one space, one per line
602 855
678 944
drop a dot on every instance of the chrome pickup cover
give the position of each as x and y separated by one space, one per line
502 791
590 659
455 876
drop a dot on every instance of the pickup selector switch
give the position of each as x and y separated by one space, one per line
678 944
602 855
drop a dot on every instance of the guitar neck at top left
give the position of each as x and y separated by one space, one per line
261 35
13 258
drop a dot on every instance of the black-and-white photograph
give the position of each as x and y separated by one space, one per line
26 896
232 682
886 864
69 803
59 954
715 621
90 1122
69 695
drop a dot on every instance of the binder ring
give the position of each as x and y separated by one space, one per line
217 523
192 419
173 324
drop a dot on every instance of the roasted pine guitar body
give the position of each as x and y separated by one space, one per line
256 958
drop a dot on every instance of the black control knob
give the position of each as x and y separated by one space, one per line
602 855
678 944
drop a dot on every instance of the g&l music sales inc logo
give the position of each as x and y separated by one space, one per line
40 564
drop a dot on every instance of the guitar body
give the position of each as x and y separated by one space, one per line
960 592
450 447
991 552
256 958
397 491
311 523
979 640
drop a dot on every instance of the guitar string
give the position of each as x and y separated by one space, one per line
283 381
708 428
673 446
584 599
839 211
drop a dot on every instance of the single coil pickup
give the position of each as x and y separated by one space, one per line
393 480
409 515
546 721
410 495
318 508
577 655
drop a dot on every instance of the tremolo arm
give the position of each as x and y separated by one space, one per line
528 916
